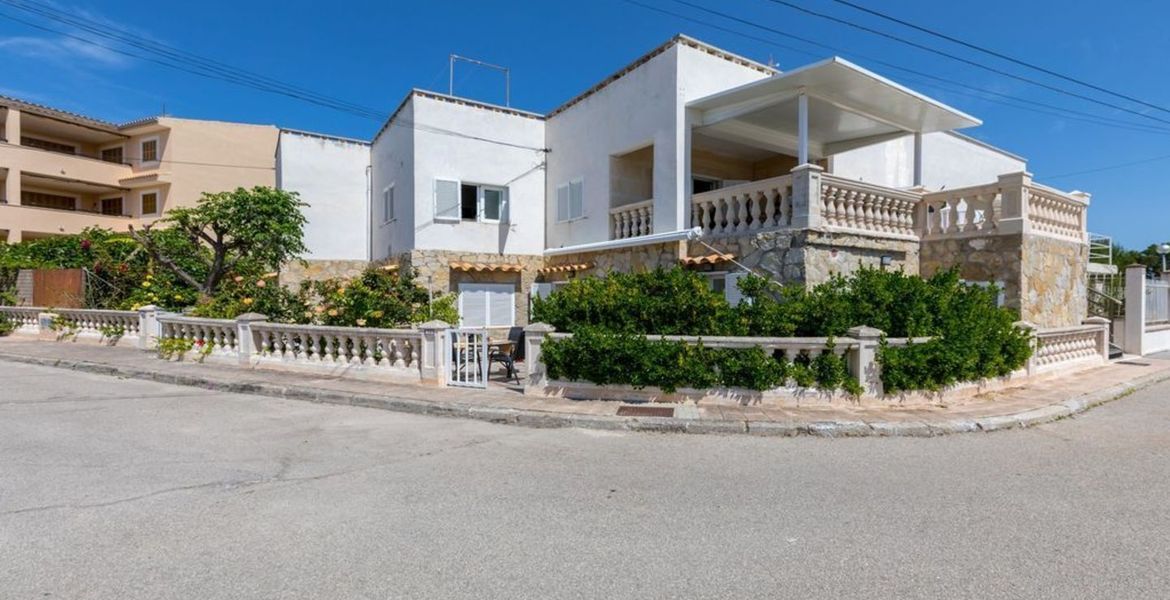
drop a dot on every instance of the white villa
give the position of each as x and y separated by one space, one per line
796 175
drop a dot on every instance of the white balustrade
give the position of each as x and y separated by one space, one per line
114 324
632 220
970 210
210 338
332 347
1067 346
865 208
23 318
744 208
1055 213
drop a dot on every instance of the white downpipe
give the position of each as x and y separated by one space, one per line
655 238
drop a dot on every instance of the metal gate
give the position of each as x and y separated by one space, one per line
468 352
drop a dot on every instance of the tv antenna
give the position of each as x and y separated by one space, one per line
479 63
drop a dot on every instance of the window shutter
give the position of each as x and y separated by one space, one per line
731 288
447 204
576 199
563 202
501 306
472 306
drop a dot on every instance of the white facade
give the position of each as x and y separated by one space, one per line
330 175
643 108
435 141
949 160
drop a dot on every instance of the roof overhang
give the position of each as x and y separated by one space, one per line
848 107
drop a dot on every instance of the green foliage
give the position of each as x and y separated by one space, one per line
605 358
666 302
262 294
245 232
973 338
112 333
6 326
176 348
379 297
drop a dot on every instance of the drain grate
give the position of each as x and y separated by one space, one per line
645 411
1133 363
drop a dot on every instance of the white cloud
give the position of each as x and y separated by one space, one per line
62 51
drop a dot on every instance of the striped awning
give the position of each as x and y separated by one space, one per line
709 259
565 268
480 267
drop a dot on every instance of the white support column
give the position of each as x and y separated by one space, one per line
246 342
802 128
148 327
863 363
918 159
1135 309
537 379
433 370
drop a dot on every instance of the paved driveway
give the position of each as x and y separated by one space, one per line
127 489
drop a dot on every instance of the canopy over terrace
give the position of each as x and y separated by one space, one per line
823 109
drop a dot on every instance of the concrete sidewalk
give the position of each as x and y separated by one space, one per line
1031 404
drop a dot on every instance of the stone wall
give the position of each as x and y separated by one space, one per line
433 271
1044 278
1055 275
315 270
810 256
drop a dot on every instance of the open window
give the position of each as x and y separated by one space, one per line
457 201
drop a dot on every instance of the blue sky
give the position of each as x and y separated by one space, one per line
371 53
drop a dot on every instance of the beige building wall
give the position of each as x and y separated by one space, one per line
92 173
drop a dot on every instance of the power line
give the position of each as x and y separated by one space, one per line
1109 168
211 69
980 93
963 60
1000 55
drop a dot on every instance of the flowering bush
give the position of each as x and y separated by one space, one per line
379 297
262 294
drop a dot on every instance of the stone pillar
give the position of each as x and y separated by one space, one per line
12 189
806 196
148 327
534 336
246 342
1135 309
1102 336
15 236
1013 210
863 364
433 367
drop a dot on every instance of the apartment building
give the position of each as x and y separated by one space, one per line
692 155
63 172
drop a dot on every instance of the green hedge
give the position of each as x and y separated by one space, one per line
607 358
973 337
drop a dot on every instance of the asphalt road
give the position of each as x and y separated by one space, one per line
127 489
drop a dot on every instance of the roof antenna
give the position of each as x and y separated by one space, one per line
772 64
451 75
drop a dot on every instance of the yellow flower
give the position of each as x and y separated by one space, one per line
377 314
308 313
361 322
333 312
247 301
145 284
340 290
178 297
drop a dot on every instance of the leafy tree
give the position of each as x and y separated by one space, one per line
243 231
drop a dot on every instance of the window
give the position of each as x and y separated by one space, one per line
487 304
150 150
455 201
43 200
113 155
388 204
47 145
570 201
150 203
112 206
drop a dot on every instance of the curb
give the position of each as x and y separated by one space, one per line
548 420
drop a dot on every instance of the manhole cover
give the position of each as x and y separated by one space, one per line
645 411
1132 363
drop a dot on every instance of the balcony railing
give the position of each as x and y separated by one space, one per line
1013 204
632 220
747 207
865 208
